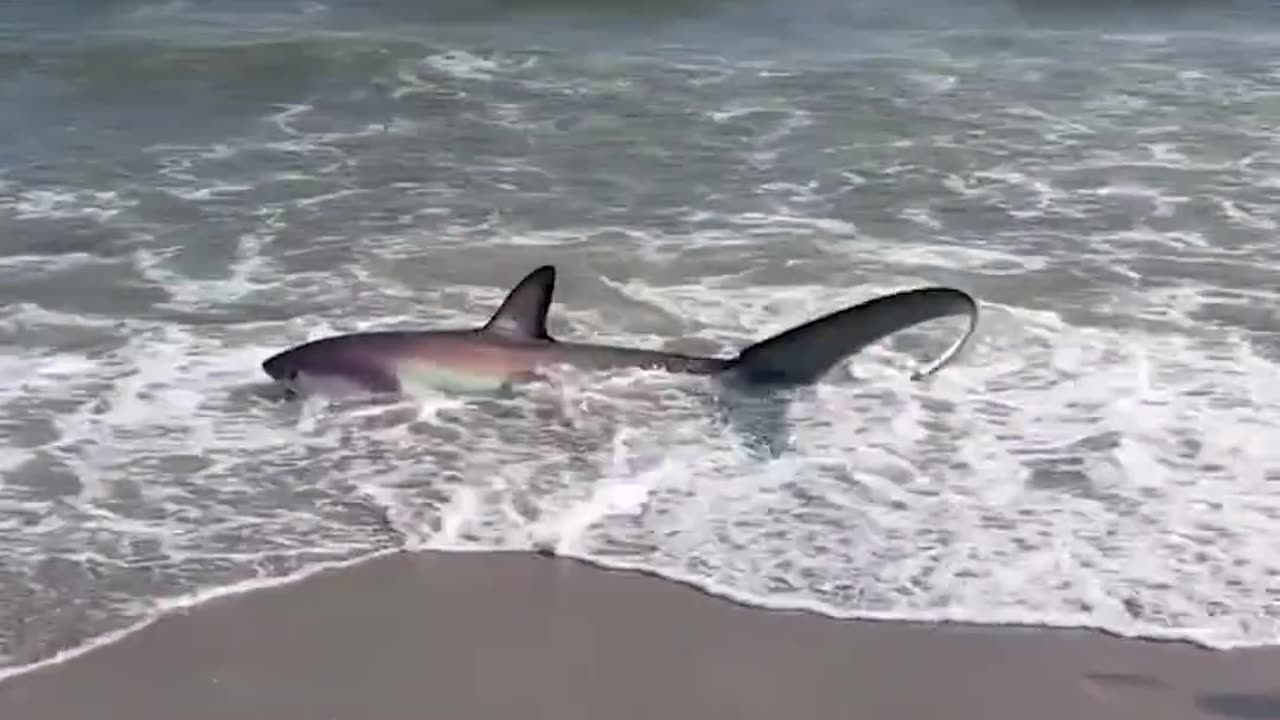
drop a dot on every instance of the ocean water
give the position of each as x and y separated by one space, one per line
188 187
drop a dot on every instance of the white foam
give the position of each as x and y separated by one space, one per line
61 202
986 260
1235 213
249 271
417 76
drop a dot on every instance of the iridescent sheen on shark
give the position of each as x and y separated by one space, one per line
514 346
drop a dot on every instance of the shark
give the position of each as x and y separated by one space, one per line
514 346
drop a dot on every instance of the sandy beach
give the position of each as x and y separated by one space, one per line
486 635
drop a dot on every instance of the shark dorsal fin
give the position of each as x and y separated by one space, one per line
524 313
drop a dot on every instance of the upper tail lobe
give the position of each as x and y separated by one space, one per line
803 354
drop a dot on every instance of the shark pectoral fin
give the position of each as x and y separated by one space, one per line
523 314
511 386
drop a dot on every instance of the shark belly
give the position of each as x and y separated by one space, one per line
466 369
416 376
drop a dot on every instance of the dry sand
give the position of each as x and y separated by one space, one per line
474 636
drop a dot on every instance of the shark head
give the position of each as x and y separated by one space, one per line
341 365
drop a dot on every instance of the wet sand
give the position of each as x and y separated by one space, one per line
490 635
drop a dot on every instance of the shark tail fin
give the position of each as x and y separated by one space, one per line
765 376
803 354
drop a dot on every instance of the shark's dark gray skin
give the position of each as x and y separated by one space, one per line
514 345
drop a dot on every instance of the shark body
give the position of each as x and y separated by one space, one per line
514 346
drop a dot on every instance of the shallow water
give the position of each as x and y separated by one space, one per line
188 187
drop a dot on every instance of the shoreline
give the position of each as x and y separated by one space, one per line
194 601
740 600
516 634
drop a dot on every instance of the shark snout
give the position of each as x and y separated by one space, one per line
280 366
